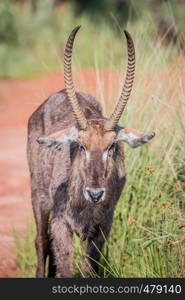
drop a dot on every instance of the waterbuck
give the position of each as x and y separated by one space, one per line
76 163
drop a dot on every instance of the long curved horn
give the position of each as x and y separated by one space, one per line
69 86
127 87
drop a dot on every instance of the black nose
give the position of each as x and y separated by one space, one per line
95 195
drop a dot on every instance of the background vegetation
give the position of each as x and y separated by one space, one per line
148 235
33 32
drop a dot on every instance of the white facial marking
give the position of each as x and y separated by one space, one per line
88 155
104 156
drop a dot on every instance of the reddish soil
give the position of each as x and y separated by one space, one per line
18 99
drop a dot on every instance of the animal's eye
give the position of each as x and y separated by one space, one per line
82 148
111 147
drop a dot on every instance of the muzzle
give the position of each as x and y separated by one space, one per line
94 195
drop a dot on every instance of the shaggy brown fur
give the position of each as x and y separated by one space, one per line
59 177
77 179
78 176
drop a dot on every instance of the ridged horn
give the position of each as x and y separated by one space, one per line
127 87
68 81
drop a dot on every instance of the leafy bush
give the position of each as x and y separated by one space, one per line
9 29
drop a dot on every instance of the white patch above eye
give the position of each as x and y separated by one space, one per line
88 155
105 154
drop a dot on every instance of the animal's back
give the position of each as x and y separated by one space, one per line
49 168
56 113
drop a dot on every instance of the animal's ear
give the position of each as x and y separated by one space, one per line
59 138
133 137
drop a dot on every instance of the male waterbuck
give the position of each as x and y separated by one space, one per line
76 162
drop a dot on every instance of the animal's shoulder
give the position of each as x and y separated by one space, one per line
56 110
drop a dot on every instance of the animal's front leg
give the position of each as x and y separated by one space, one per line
95 245
61 244
41 242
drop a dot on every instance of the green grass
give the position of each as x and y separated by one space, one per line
147 237
32 44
